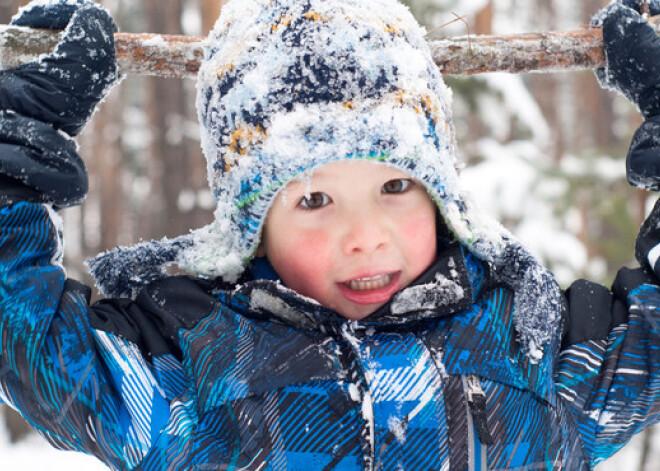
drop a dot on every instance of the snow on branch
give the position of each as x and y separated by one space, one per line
532 52
180 56
138 54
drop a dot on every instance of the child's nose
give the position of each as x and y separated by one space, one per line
365 232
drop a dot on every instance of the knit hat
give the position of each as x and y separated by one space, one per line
288 86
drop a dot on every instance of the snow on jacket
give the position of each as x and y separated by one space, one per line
196 375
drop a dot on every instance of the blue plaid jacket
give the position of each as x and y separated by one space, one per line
194 375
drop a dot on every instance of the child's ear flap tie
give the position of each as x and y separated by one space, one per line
122 272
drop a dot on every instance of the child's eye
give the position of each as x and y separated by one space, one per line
398 185
315 200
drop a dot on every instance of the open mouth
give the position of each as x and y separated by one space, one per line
375 289
370 283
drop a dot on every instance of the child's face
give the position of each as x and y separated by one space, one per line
352 236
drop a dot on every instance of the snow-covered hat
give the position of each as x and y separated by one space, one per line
290 85
287 86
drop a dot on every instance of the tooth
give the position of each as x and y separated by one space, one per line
370 283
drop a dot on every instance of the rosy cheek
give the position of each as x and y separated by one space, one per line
308 264
420 236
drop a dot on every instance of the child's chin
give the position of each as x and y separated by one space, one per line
359 312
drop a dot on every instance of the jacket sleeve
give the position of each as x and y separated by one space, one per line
81 388
609 367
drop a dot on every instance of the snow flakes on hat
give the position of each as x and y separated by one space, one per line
288 86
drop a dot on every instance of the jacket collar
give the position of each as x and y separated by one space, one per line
447 287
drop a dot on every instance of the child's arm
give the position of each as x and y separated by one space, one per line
54 368
609 368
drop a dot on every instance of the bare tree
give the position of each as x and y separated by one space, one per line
210 11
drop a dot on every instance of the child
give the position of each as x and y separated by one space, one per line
351 310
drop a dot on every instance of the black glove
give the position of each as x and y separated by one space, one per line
38 163
57 93
63 89
632 50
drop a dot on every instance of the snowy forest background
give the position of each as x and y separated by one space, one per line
544 154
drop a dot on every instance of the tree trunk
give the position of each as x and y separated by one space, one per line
483 22
164 104
106 169
646 451
210 10
597 131
17 427
178 168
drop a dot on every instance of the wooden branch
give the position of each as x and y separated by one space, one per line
180 56
534 52
137 54
161 55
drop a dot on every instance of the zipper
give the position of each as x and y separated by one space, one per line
479 434
350 335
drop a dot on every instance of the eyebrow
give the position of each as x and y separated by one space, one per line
307 179
319 176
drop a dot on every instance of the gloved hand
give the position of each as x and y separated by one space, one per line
63 89
632 51
57 93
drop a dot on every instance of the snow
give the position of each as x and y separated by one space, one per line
509 186
154 41
34 452
397 428
521 104
441 292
